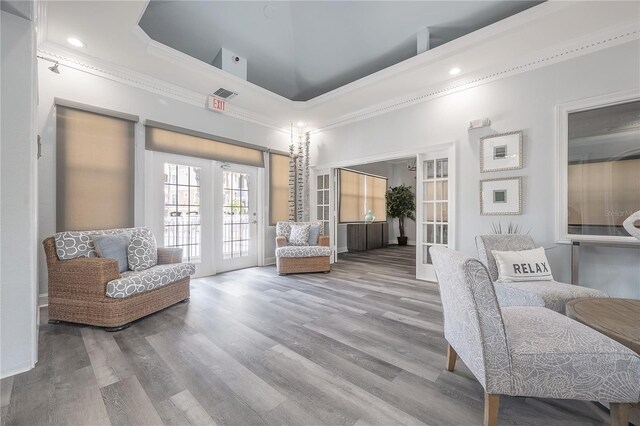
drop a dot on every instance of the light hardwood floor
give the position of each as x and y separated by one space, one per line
361 345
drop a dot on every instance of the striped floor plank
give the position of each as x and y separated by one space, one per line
361 345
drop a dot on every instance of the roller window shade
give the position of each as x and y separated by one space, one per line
95 171
195 145
278 188
360 193
376 189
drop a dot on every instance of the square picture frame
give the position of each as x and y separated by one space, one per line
501 196
501 152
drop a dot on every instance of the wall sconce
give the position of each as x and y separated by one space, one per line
477 124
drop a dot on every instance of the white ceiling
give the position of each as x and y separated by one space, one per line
116 47
303 49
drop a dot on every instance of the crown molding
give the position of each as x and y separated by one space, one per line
521 65
151 84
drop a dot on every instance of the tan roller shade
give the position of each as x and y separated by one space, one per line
193 144
360 193
376 189
352 197
95 171
278 188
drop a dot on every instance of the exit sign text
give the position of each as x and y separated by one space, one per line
216 104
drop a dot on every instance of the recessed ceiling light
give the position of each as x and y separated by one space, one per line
75 42
300 123
454 71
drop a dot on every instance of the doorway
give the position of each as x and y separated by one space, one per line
206 208
430 172
237 218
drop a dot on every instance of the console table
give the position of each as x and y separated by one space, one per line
367 236
575 253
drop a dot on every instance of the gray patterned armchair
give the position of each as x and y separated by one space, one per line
550 294
300 259
526 350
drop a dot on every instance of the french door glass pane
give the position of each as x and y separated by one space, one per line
323 201
435 215
236 221
182 227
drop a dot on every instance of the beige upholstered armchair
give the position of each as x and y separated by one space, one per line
528 351
293 259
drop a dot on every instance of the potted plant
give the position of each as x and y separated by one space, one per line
401 204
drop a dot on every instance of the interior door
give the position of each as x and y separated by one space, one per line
434 207
236 217
323 205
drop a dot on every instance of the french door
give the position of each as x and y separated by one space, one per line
204 207
236 217
323 205
435 206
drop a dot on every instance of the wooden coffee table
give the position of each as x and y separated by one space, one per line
617 318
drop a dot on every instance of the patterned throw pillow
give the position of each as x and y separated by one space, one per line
142 253
299 235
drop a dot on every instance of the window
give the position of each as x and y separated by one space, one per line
603 169
95 170
278 188
182 209
360 193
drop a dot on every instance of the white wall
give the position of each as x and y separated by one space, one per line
18 287
522 102
90 89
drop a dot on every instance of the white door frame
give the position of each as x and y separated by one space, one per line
333 241
255 186
424 150
154 201
211 179
426 272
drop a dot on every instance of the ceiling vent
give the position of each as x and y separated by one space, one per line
224 93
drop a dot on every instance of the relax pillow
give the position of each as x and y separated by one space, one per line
142 253
114 247
522 265
299 235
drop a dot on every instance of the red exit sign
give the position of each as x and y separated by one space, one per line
216 104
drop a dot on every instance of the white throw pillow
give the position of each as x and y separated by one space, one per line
522 265
299 235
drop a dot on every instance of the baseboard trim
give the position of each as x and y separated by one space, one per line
43 300
270 261
342 250
395 242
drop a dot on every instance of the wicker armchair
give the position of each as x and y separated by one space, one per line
300 259
77 290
